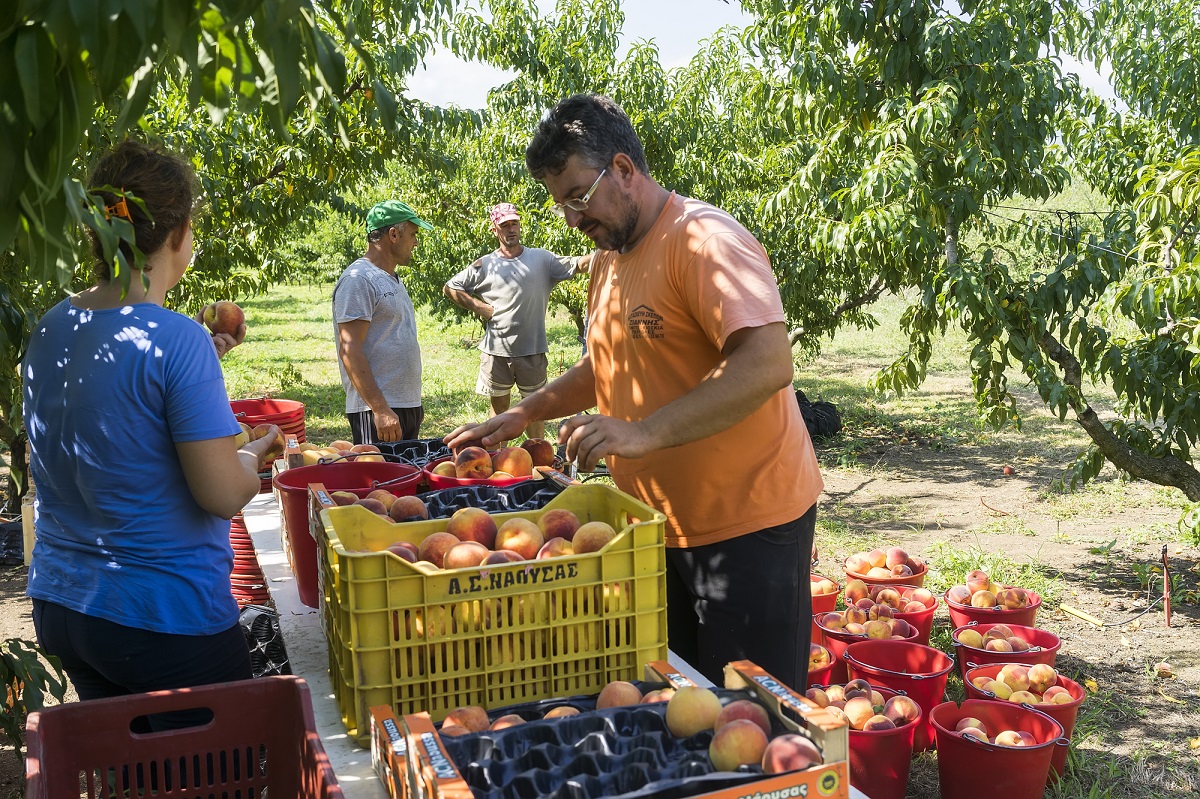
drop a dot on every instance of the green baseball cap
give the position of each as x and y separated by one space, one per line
393 212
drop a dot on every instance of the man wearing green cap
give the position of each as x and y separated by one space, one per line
375 330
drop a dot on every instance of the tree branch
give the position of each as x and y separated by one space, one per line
1166 471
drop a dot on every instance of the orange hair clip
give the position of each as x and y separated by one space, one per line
120 208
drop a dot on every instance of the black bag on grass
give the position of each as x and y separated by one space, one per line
821 418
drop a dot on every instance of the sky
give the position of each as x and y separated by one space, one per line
676 26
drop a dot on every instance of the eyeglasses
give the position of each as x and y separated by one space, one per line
579 204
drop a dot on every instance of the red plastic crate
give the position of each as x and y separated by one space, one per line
262 736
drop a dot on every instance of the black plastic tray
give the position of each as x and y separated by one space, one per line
417 451
526 495
622 752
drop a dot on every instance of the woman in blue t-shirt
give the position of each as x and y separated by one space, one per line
134 460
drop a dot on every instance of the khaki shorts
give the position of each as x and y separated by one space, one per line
499 373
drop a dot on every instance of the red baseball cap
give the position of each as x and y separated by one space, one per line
502 212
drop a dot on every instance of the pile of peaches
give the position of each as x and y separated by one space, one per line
998 638
472 537
339 449
974 728
1033 685
864 708
980 591
741 729
476 463
870 618
879 564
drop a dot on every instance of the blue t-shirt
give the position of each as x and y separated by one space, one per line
107 395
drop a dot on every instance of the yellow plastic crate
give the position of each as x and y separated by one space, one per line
432 640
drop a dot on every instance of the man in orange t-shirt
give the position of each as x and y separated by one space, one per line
690 367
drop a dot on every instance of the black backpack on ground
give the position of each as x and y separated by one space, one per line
821 418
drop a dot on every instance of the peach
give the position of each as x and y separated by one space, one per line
895 557
500 557
1018 644
970 721
913 607
902 628
1015 676
562 711
879 573
1057 695
473 717
408 508
1012 598
406 551
983 599
818 696
877 699
858 564
901 570
343 497
901 710
473 524
858 710
833 620
818 657
1041 677
880 612
856 590
974 732
744 709
1001 690
521 536
854 628
821 586
276 450
555 548
979 682
445 469
890 597
541 451
922 595
835 712
866 603
856 615
836 693
506 721
225 317
558 523
740 742
1000 631
692 710
473 462
618 693
878 629
384 496
916 564
453 730
877 558
1023 697
998 645
856 687
660 695
790 752
373 505
435 546
514 460
959 595
977 580
878 723
592 537
464 555
339 444
1008 738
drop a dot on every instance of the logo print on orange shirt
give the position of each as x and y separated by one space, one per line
645 323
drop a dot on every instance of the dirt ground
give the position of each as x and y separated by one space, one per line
1147 722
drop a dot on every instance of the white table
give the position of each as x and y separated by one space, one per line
309 658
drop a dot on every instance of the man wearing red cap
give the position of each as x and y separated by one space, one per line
509 289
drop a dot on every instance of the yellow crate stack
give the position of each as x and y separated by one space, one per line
433 640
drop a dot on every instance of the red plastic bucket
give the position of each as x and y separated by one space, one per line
1043 647
918 670
880 760
1064 714
358 477
822 603
962 615
969 768
837 641
288 415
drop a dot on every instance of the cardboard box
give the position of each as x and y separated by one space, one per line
433 775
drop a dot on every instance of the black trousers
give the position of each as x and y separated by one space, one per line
103 658
747 598
362 425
